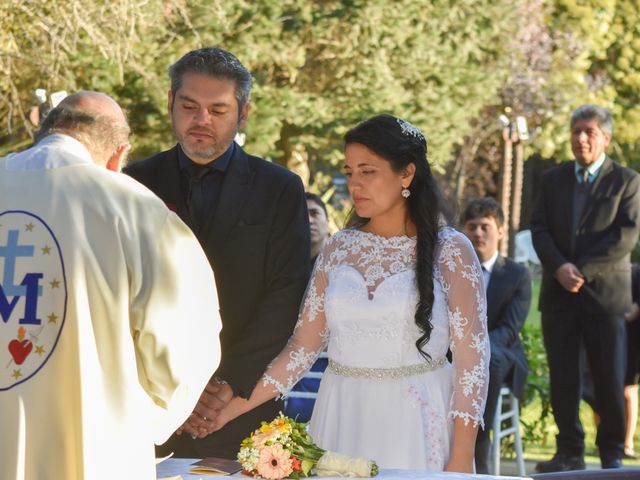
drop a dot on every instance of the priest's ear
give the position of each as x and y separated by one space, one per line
118 159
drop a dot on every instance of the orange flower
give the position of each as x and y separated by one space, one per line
279 425
295 464
275 462
260 439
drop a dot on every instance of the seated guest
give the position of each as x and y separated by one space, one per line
508 288
318 224
297 407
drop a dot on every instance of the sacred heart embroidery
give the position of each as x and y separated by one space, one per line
33 296
20 350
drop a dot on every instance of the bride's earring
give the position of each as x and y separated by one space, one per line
405 192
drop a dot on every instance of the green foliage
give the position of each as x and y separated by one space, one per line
115 47
618 70
537 393
564 53
536 430
320 66
593 57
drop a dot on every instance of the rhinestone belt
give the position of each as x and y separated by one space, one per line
385 373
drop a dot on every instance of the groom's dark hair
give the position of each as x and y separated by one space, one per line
215 62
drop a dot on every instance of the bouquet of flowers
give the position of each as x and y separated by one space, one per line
284 449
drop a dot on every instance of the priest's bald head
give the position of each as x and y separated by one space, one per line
95 120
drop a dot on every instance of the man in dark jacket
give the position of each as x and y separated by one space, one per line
250 216
584 225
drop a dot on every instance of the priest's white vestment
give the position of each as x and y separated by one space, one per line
109 318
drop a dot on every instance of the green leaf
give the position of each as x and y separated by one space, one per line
306 466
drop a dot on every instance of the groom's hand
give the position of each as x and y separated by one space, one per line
215 397
190 427
202 421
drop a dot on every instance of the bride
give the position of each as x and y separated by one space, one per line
388 298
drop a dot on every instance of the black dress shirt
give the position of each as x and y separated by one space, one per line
201 185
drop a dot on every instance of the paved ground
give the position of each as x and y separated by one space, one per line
508 466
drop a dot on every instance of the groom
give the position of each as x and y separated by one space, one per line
250 216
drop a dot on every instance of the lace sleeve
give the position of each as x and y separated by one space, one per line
461 277
309 336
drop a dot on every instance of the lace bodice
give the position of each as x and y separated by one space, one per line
360 305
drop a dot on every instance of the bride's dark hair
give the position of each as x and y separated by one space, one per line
401 144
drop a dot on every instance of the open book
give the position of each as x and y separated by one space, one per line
215 466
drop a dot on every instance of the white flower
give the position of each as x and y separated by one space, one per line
337 465
248 457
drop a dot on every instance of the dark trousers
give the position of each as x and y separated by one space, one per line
499 369
224 443
604 341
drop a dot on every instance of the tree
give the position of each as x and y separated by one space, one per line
109 46
565 53
320 66
617 74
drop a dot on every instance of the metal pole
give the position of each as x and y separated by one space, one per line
505 190
516 202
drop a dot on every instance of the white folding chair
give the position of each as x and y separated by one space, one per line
524 251
508 409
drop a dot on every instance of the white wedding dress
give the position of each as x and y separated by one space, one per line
379 398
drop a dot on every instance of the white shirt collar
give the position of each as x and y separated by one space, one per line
593 168
53 151
489 264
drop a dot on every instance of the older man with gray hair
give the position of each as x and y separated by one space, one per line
584 226
102 312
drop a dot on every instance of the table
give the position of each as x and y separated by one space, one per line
173 467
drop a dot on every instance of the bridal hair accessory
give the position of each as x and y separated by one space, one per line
405 192
283 448
410 130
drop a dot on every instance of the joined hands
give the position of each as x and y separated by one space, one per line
205 418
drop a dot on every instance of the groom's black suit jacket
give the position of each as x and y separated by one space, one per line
257 241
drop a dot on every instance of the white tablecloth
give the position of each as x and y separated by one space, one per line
180 466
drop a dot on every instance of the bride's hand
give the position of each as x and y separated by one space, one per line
193 426
206 426
236 407
459 466
216 424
